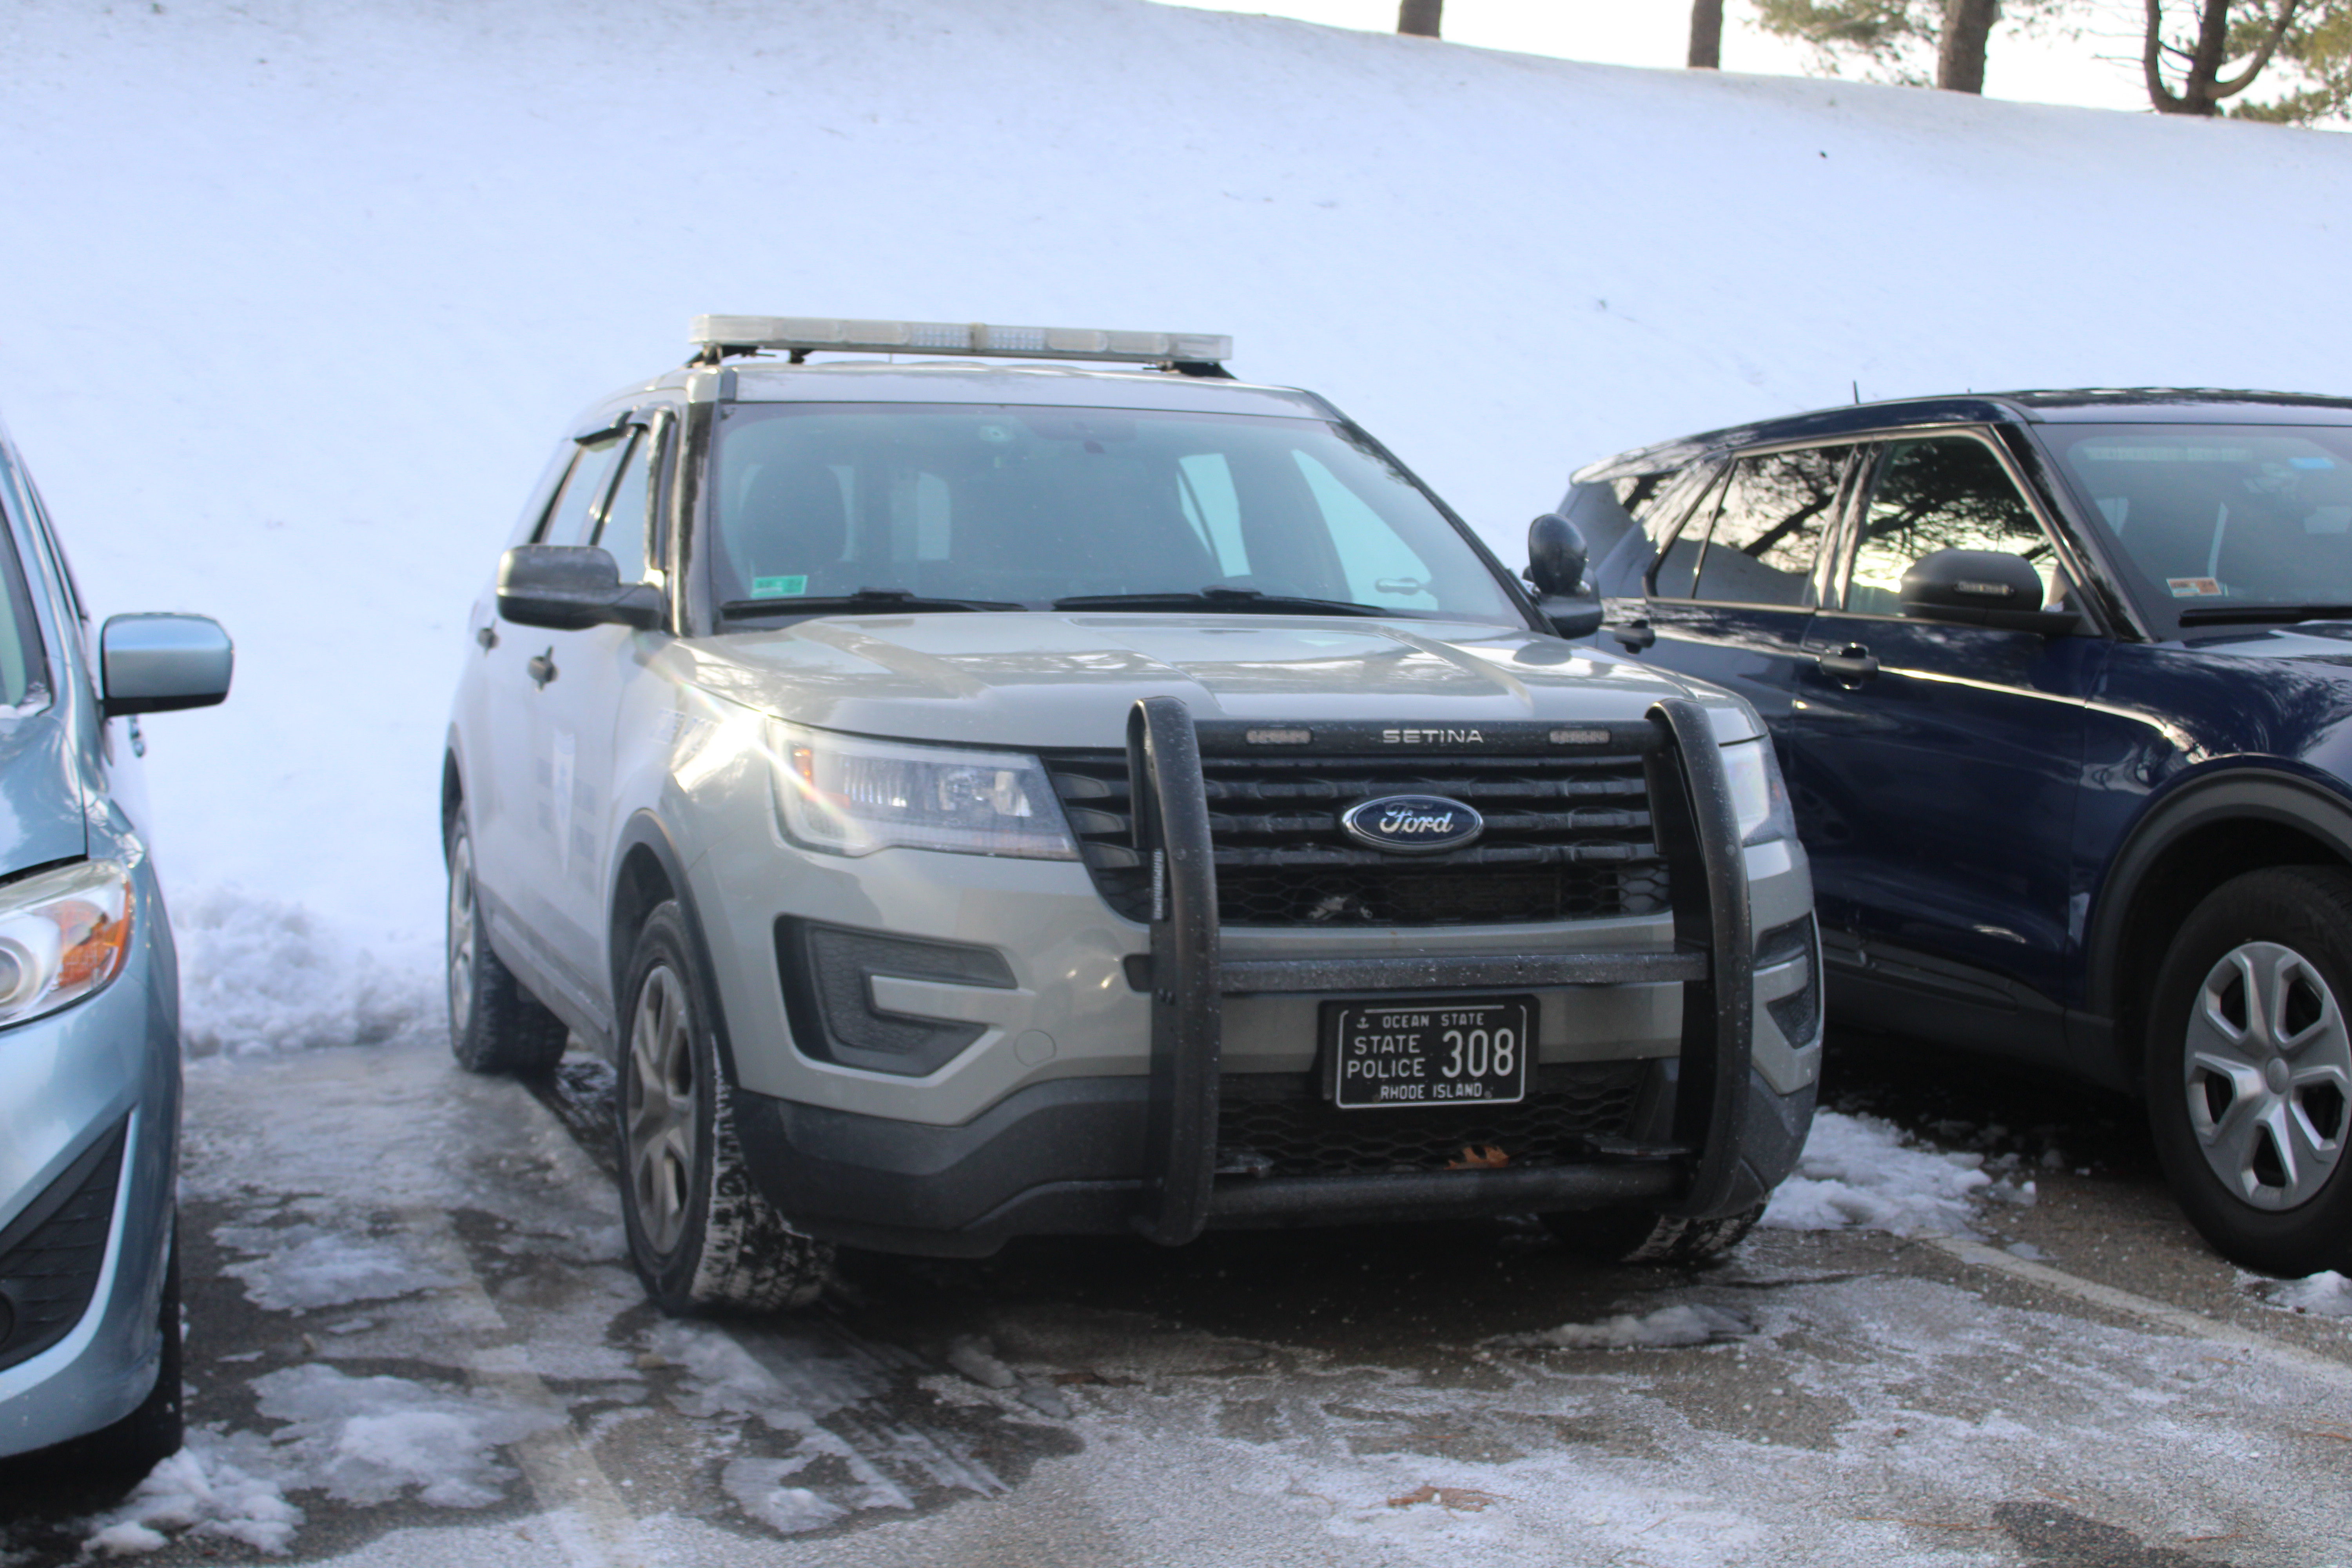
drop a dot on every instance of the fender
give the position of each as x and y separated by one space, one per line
2308 803
648 832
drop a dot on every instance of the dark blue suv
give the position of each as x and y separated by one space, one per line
2061 684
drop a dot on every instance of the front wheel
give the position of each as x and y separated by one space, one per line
701 1233
1640 1235
2250 1069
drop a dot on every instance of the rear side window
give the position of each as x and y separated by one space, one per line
622 531
1767 532
24 671
1941 492
568 519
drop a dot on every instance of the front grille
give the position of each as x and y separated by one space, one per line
1567 838
51 1254
1279 1125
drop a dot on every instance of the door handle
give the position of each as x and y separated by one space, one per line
1850 665
1634 635
543 669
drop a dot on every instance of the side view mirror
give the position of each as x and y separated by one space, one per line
156 664
1982 588
1556 558
571 587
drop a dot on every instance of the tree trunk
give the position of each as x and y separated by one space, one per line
2201 87
1706 35
1961 52
1419 18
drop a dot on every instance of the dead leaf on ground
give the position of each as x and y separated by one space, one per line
1486 1158
1458 1500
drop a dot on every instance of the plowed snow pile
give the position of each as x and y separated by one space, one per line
301 293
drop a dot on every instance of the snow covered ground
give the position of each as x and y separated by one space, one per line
299 294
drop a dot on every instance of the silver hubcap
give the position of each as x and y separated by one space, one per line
461 935
659 1108
2268 1075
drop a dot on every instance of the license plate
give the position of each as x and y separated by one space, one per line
1450 1051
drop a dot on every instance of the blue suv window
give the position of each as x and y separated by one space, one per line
1942 492
1765 534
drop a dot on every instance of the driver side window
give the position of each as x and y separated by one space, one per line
1942 492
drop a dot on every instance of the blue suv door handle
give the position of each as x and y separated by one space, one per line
1850 665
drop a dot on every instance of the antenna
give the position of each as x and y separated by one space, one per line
1857 392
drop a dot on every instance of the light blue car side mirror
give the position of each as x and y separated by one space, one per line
154 664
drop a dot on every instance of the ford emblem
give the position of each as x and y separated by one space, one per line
1414 824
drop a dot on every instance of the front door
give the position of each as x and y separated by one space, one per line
1733 593
1933 766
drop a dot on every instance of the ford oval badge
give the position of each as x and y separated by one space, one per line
1414 824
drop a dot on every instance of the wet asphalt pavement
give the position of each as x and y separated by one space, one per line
409 1315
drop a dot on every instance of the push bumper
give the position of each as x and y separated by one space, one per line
1098 1156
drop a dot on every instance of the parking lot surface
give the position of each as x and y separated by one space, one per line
414 1338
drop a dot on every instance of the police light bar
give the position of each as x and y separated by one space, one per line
803 335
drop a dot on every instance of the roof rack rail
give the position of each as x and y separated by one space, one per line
717 336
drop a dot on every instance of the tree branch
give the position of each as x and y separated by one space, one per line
2245 79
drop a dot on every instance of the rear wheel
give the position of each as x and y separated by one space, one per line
1640 1235
495 1025
701 1233
2250 1069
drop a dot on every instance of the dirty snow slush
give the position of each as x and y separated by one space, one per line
414 1338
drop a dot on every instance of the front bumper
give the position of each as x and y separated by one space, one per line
1700 1019
71 1083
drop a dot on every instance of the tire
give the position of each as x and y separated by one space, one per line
1639 1236
124 1453
701 1233
2249 1069
495 1025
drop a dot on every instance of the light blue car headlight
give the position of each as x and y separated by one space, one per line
1758 798
63 935
847 795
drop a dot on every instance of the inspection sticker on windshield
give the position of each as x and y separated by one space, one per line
1450 1051
779 587
2194 587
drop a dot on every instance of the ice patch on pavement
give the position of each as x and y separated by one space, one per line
1857 1171
2326 1294
302 1267
1688 1323
758 1487
261 975
371 1439
201 1491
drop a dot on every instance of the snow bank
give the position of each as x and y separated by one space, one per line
1857 1171
258 973
1688 1323
303 293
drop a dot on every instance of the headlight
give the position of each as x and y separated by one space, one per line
63 935
848 795
1758 798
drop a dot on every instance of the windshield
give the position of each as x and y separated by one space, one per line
2219 523
1025 508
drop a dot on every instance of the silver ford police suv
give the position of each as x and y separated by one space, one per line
967 800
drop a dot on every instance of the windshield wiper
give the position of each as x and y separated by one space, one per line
864 599
1242 601
2206 615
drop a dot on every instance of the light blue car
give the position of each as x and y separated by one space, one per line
90 1012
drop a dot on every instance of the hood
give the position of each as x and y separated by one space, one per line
2323 643
40 793
1068 680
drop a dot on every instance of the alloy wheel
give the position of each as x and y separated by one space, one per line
2268 1075
463 935
661 1107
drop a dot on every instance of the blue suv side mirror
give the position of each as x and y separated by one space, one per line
1982 588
